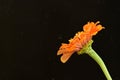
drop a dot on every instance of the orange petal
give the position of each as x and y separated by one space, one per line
92 28
87 27
65 57
62 49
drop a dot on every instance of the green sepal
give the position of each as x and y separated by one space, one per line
85 48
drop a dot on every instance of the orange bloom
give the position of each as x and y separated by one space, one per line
79 40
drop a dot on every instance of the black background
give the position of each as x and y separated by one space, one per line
31 32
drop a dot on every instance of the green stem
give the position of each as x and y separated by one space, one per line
97 58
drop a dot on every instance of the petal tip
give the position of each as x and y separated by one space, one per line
63 60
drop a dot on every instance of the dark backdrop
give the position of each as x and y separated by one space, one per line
31 32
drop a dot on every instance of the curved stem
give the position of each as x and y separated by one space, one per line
97 58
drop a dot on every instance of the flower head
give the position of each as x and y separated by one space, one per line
79 40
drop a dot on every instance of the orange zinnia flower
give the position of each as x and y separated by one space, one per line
79 40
